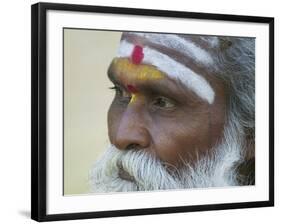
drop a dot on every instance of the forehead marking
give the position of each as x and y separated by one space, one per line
184 46
136 97
132 89
137 54
140 72
175 70
133 98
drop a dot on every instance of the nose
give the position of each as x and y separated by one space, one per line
132 132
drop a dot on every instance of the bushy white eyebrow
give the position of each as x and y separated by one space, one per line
181 45
173 69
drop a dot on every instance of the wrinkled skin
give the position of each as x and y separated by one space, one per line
164 117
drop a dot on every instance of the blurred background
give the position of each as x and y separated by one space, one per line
87 97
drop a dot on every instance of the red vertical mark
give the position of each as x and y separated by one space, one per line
132 89
137 54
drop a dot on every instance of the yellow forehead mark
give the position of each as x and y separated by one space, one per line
136 97
140 71
133 98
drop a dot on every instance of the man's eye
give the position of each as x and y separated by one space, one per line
163 102
117 90
121 93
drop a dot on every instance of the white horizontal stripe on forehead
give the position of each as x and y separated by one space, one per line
184 46
173 69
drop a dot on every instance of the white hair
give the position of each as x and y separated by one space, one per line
236 65
235 60
216 169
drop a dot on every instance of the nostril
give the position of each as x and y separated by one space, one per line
133 146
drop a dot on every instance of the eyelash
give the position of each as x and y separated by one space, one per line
119 92
161 99
117 89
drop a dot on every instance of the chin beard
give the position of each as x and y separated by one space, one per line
138 170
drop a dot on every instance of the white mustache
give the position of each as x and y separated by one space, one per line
139 170
142 169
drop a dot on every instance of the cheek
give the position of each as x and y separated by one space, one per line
169 142
182 140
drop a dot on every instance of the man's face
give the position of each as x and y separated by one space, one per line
155 113
169 124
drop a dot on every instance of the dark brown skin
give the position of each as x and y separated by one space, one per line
167 120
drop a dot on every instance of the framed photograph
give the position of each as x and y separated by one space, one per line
140 111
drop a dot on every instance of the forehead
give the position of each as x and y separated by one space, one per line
143 76
180 58
128 72
198 49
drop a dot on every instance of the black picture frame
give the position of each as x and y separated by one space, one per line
39 108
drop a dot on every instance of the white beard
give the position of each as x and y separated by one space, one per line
217 169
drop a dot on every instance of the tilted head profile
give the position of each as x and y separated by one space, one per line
183 115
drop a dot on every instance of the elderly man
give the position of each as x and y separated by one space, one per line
183 115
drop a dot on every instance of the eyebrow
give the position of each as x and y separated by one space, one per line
175 70
156 87
163 89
